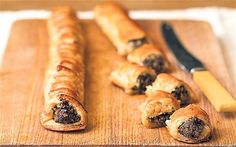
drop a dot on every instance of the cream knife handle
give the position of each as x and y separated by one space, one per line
214 91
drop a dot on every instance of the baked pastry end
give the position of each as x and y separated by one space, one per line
157 109
65 116
133 78
190 124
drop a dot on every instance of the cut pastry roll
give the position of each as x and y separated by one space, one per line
157 109
190 124
114 21
133 78
64 78
150 56
173 85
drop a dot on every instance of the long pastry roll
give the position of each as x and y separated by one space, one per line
157 109
190 124
114 21
64 78
173 85
150 56
133 78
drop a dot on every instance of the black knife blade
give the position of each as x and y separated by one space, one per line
189 62
201 76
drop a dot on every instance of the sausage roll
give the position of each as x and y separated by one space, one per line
171 84
157 109
190 124
64 78
114 21
133 78
150 56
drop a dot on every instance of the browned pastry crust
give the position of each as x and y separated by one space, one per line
64 78
133 78
157 109
190 124
150 56
171 84
114 21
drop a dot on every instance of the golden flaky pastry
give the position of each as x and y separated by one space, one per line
114 21
150 56
133 78
190 124
173 85
64 78
157 109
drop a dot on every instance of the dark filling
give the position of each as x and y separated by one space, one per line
160 120
181 94
155 62
135 43
144 80
65 113
191 128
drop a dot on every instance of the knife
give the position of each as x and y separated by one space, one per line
214 91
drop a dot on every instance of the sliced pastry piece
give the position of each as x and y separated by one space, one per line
171 84
114 21
64 78
133 78
150 56
190 124
157 109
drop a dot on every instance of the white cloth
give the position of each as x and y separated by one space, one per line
223 21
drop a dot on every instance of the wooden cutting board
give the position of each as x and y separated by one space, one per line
114 117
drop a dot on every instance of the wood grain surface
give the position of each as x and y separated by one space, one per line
114 117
